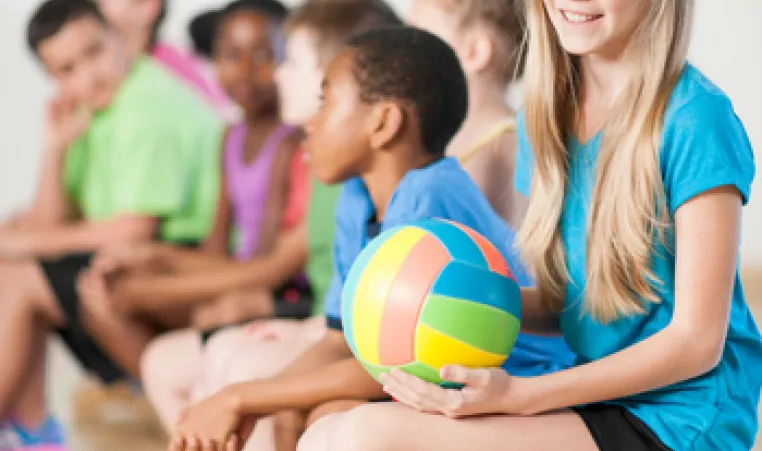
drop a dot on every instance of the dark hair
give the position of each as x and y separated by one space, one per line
333 22
414 66
202 30
53 15
273 9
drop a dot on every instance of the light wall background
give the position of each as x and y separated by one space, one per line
723 47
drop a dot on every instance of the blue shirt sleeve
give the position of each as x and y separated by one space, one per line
705 146
522 180
351 207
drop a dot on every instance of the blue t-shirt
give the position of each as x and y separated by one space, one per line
704 146
440 190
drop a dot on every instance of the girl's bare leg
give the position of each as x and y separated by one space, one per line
395 427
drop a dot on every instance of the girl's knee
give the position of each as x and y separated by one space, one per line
365 428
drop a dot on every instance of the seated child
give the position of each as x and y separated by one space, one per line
257 157
316 32
139 23
129 155
487 36
391 102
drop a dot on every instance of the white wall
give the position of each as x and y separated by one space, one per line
723 48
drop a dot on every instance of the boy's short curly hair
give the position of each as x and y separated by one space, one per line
416 67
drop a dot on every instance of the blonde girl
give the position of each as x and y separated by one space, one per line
637 169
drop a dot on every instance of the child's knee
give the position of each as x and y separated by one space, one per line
157 359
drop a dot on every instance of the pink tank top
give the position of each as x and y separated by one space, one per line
249 184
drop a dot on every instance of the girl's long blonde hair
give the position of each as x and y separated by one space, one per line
627 209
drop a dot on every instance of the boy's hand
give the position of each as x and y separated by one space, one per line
65 123
485 391
212 424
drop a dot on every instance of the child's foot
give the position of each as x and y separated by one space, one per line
15 437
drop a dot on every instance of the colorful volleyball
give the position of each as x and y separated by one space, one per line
427 295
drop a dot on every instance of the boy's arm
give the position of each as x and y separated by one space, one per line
219 276
65 122
81 237
51 205
326 372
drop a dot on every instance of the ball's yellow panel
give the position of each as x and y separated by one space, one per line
437 350
373 287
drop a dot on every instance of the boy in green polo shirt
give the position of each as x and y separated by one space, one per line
130 155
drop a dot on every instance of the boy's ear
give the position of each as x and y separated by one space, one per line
479 50
388 118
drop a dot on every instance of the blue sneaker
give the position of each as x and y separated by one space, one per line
48 437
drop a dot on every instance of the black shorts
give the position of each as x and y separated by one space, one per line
61 274
291 301
614 428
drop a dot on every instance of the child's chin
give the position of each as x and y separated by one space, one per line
328 178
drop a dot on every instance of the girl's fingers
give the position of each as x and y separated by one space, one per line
232 444
177 443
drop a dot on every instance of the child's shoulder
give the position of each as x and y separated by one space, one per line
695 98
156 91
442 185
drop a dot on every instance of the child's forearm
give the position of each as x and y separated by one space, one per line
344 379
84 237
210 276
666 358
51 205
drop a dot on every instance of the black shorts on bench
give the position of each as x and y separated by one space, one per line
62 274
614 428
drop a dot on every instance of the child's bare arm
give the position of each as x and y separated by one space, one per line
326 372
84 236
279 193
218 240
65 123
217 277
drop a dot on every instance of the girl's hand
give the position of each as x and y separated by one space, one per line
485 391
122 257
209 425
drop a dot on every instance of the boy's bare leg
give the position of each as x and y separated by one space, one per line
29 310
171 367
30 407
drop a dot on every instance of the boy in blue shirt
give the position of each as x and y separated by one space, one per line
392 101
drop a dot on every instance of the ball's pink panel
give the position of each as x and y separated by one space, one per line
405 300
495 260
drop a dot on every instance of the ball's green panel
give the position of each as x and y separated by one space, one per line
417 369
481 326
